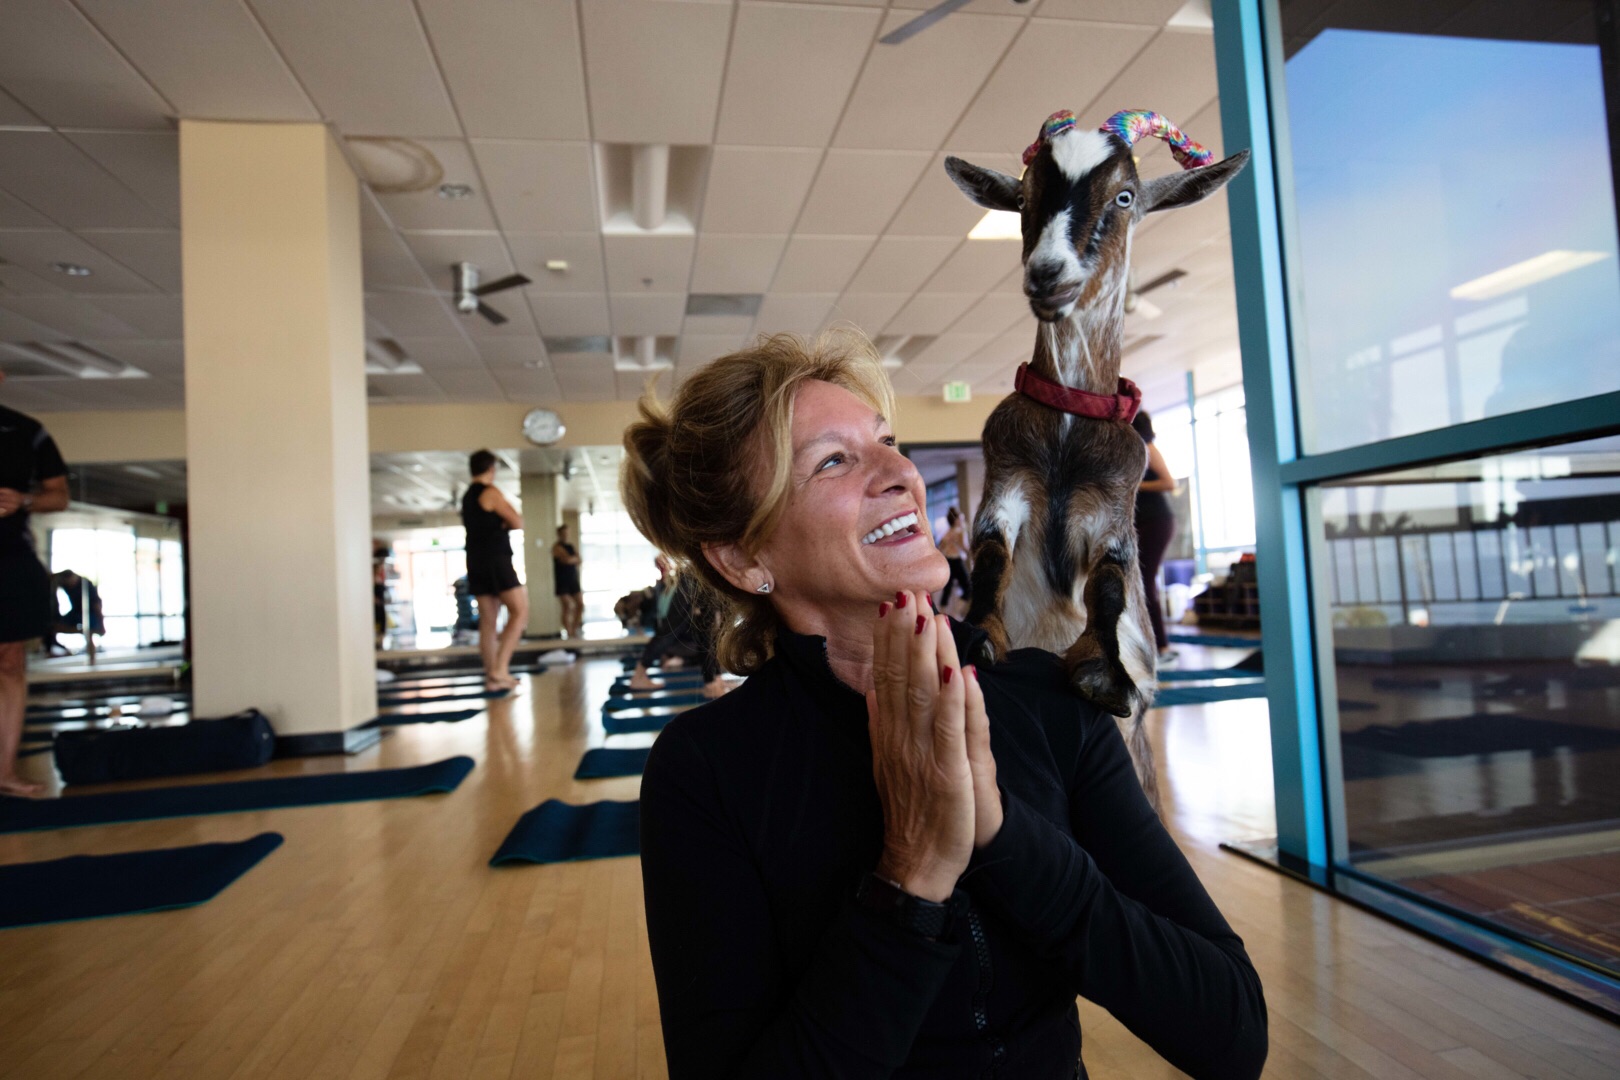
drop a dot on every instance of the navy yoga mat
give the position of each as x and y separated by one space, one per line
26 815
664 700
91 886
1252 666
621 687
556 831
1203 695
444 716
600 763
449 695
1235 641
642 720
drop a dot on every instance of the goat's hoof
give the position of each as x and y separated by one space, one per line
1105 685
983 655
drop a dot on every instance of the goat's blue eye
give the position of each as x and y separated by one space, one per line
1124 199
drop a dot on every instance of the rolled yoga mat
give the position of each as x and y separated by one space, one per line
1233 641
28 815
93 886
641 720
441 716
556 831
601 763
662 700
1203 695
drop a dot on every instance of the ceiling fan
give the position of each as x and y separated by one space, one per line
469 293
925 20
1134 293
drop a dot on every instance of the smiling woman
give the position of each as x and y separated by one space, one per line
869 861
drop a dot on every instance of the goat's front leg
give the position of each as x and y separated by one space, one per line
1096 671
990 556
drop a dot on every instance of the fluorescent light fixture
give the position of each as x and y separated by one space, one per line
998 225
559 265
144 471
1522 275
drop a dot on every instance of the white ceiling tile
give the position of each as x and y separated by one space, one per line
15 281
717 326
1054 64
735 264
451 352
439 252
12 114
948 350
901 263
366 63
928 313
403 388
530 384
632 385
996 313
570 314
815 264
510 352
794 313
937 207
857 191
975 267
164 358
648 264
35 251
154 254
653 69
44 41
386 263
868 312
243 77
757 189
14 327
791 71
427 210
125 394
910 96
412 314
647 313
16 214
1145 12
72 316
1173 75
57 179
697 349
156 317
468 384
539 186
513 67
146 162
581 251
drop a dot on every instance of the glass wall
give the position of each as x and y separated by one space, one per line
137 572
615 560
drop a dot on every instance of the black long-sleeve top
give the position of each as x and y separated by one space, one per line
759 817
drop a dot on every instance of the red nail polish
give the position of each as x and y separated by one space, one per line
972 670
947 676
929 600
883 609
922 621
899 599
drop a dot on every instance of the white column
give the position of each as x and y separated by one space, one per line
539 495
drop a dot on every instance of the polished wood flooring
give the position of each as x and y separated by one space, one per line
376 942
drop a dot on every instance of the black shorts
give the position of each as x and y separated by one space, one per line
491 577
25 594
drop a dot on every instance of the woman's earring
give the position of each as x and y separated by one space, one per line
764 587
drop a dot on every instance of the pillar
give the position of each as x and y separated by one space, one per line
969 488
540 516
278 470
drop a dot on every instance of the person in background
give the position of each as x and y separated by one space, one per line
491 578
953 545
565 573
1155 528
82 597
685 628
33 479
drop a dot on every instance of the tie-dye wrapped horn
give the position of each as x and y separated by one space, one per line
1055 125
1134 124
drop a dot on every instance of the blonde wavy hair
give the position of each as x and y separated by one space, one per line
714 466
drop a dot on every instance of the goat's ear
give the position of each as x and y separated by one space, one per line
990 189
1194 185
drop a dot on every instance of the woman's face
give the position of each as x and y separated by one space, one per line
855 529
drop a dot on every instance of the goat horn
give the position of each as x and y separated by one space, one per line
1055 125
1134 124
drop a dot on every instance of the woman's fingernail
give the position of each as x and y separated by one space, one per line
929 600
899 599
883 609
972 670
947 676
922 621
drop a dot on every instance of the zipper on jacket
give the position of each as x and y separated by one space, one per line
981 992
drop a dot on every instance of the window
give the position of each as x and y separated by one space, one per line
615 560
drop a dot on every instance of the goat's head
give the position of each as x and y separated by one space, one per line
1080 198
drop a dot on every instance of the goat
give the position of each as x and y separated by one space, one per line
1054 539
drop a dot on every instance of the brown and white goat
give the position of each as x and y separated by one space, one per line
1054 540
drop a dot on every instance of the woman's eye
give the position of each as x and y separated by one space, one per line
836 459
1124 199
890 440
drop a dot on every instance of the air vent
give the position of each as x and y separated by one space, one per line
650 190
643 353
734 304
567 345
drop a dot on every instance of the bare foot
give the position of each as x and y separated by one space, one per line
715 688
640 680
16 785
499 682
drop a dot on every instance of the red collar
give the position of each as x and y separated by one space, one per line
1120 406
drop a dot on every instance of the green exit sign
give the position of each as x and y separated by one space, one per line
958 392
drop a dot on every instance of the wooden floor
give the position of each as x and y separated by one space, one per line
376 942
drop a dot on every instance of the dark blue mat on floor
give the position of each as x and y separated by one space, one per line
442 716
1250 667
621 687
27 815
556 831
1203 695
662 700
601 763
444 679
432 699
630 723
1235 641
93 886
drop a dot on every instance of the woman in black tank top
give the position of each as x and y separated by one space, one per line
488 517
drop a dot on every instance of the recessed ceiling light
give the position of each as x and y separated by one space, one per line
998 225
455 191
557 264
71 269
